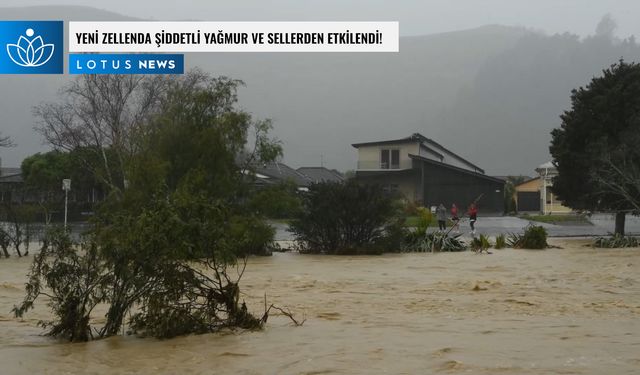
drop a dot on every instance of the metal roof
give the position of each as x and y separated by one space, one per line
9 171
463 170
282 172
10 175
321 174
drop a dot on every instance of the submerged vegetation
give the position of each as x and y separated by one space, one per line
168 246
435 241
480 243
616 241
347 218
501 242
355 219
419 240
534 237
17 232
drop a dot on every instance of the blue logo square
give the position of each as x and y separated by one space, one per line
31 47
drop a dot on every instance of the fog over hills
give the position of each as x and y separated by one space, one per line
491 94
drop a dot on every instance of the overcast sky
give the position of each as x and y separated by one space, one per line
416 16
265 97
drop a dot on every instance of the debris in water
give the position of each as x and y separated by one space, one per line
478 288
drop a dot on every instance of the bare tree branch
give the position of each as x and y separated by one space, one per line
5 141
102 114
618 177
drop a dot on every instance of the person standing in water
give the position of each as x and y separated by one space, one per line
441 213
473 217
455 218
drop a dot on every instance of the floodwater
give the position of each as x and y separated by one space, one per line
574 310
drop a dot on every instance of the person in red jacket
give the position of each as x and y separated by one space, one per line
473 217
455 218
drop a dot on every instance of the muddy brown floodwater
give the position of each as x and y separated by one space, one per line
574 310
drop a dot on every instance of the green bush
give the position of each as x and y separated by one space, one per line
280 201
501 242
480 243
534 237
394 236
411 208
425 218
260 241
616 241
345 218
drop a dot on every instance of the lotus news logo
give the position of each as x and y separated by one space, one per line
32 47
30 52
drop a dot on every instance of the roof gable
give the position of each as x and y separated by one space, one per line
430 144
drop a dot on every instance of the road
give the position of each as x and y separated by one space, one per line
602 224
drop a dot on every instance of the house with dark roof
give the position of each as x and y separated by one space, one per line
321 174
535 195
276 172
11 185
424 171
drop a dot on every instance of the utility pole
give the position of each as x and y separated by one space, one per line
66 186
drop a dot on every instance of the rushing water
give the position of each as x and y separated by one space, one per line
561 311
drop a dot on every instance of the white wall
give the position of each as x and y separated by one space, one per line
369 156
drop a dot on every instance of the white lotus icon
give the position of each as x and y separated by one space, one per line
30 52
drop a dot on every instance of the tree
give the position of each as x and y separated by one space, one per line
18 229
5 141
166 241
606 27
595 149
43 174
103 114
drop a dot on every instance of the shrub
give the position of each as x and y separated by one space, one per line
534 237
616 241
501 243
280 201
394 236
514 240
260 241
480 243
425 218
411 208
344 218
